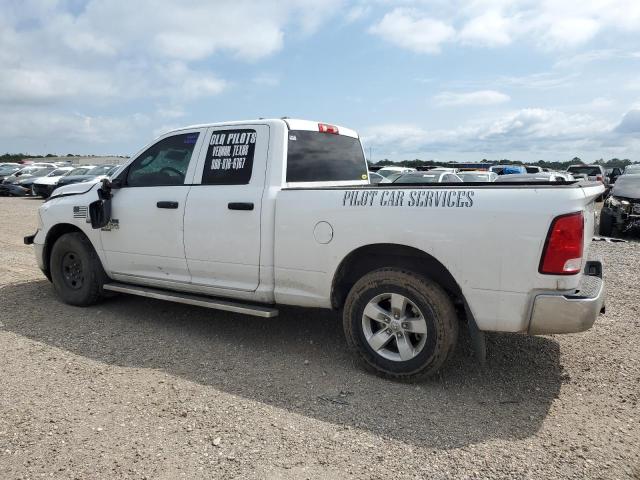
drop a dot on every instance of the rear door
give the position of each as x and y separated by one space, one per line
222 216
144 239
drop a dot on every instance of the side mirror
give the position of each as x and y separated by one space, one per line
100 210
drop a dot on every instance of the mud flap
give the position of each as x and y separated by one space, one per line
478 340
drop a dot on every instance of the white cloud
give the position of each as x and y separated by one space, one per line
478 98
490 29
535 130
549 24
410 30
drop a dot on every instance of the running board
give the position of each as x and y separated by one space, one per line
199 300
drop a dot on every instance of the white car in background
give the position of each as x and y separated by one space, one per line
478 176
429 176
531 177
386 171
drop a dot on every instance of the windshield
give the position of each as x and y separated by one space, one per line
586 170
28 170
324 157
112 170
416 179
101 170
10 169
57 172
43 172
78 171
632 169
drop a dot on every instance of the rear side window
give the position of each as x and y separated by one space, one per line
164 163
324 157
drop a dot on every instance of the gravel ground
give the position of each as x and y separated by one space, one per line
137 388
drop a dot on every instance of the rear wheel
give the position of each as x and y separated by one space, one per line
400 324
76 270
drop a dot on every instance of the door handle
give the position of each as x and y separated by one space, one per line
240 205
167 204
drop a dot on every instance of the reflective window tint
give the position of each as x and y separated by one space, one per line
230 157
324 157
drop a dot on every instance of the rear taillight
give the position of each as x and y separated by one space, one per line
599 178
325 128
562 254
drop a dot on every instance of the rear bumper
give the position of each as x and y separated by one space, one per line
570 313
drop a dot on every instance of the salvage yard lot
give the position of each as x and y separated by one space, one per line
136 388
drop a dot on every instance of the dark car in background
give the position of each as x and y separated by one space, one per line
43 187
621 211
19 184
93 173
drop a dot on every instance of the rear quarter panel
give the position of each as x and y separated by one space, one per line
489 238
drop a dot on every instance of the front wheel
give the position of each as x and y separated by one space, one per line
76 270
401 324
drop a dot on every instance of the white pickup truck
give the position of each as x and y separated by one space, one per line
245 216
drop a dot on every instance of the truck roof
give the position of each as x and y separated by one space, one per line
291 123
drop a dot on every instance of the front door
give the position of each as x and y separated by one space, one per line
144 239
222 217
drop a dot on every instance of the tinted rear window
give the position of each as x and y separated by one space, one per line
324 157
589 171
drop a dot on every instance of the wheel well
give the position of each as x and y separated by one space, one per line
53 235
371 257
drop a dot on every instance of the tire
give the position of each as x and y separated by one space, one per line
606 224
76 270
424 354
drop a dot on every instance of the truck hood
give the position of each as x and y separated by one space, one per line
73 189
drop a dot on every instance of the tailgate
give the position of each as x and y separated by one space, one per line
591 193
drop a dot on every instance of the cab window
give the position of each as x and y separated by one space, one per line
164 163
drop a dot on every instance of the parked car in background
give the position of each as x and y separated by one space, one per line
43 186
593 173
428 177
531 177
386 171
8 170
621 211
20 185
477 176
613 173
507 169
94 172
375 178
566 175
27 172
635 168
